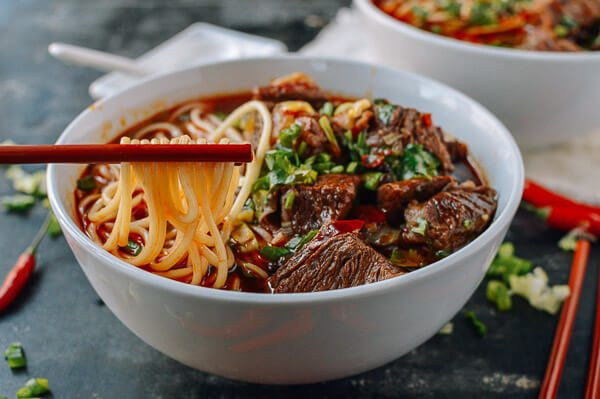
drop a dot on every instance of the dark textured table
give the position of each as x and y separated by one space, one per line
75 341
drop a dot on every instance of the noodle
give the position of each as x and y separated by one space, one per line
191 208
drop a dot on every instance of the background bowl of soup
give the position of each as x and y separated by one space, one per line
290 338
542 97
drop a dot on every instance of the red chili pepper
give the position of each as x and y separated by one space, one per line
372 160
369 213
567 218
426 118
348 226
21 272
539 196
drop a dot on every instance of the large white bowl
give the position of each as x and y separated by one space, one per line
542 97
291 338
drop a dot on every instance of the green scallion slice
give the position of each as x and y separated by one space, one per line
15 356
33 387
87 183
274 253
18 203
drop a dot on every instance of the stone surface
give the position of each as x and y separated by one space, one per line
86 352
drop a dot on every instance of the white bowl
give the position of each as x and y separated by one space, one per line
291 338
542 97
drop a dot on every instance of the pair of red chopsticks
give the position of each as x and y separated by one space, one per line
116 153
563 213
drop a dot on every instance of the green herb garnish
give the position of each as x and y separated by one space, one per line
54 229
87 183
327 109
18 203
288 200
33 387
287 137
384 112
483 14
15 356
421 229
417 162
372 180
132 248
497 292
274 253
297 242
326 126
477 324
506 264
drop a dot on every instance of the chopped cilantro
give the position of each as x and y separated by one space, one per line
417 162
384 112
287 137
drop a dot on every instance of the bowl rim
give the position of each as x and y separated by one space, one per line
501 220
368 8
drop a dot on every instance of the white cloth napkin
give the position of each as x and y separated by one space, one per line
572 168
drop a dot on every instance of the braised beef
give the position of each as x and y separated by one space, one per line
312 135
449 219
404 126
314 205
295 87
340 262
393 197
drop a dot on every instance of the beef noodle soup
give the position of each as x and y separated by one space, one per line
543 25
341 192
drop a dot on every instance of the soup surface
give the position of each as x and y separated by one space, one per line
543 25
350 191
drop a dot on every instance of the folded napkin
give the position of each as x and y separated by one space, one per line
571 168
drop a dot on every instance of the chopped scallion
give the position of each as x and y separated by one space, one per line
274 253
132 248
421 229
337 169
288 201
327 109
477 324
372 180
87 183
18 203
351 167
15 356
53 227
33 387
498 293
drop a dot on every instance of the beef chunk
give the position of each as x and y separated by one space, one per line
339 262
328 200
312 135
450 219
393 197
404 126
296 86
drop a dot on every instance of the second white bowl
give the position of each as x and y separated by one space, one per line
542 97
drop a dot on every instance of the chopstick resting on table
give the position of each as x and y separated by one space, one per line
562 336
592 390
117 153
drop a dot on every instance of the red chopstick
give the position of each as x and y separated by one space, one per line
116 153
565 324
592 390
